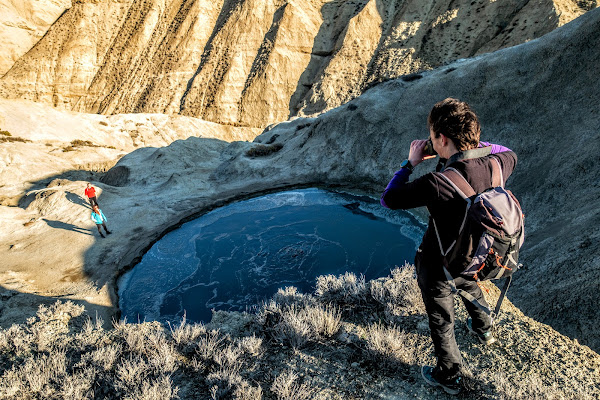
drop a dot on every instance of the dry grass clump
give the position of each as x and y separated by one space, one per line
10 138
82 143
347 289
533 387
263 150
287 387
79 143
60 353
5 133
400 295
296 325
290 295
390 345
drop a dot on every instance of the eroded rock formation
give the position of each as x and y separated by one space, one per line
254 62
23 23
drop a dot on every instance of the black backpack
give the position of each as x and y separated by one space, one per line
489 238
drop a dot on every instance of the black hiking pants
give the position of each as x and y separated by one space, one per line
439 303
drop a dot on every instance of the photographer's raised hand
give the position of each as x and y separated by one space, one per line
416 154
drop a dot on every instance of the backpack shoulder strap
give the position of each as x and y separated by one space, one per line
497 178
462 187
458 182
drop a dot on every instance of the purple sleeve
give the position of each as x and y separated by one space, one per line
399 179
496 148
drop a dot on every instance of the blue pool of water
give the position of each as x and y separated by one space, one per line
236 256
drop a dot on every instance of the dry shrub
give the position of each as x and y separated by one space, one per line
251 345
13 139
155 389
51 325
291 328
161 354
136 336
400 294
208 344
286 387
130 371
82 143
91 333
106 357
18 340
5 346
245 391
290 295
347 289
34 378
297 325
79 385
388 344
228 357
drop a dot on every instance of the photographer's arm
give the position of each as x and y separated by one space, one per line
401 194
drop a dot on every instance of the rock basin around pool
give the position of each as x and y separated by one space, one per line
234 257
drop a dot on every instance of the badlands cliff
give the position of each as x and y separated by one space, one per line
255 62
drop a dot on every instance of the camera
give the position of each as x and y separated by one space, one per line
428 149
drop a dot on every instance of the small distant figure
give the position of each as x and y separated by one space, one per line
90 192
100 220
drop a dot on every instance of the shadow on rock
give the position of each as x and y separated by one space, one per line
77 199
66 226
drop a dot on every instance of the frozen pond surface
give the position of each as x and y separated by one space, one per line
237 256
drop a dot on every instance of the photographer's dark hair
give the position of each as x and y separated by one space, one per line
456 120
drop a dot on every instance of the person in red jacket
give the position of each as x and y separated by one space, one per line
90 192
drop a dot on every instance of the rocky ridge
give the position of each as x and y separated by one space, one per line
252 63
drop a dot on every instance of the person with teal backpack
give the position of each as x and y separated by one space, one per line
100 220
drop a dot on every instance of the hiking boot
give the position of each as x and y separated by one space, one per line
486 338
434 378
108 232
102 235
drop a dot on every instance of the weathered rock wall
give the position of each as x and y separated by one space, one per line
23 23
254 62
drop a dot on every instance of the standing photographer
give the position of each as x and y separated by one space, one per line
454 132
